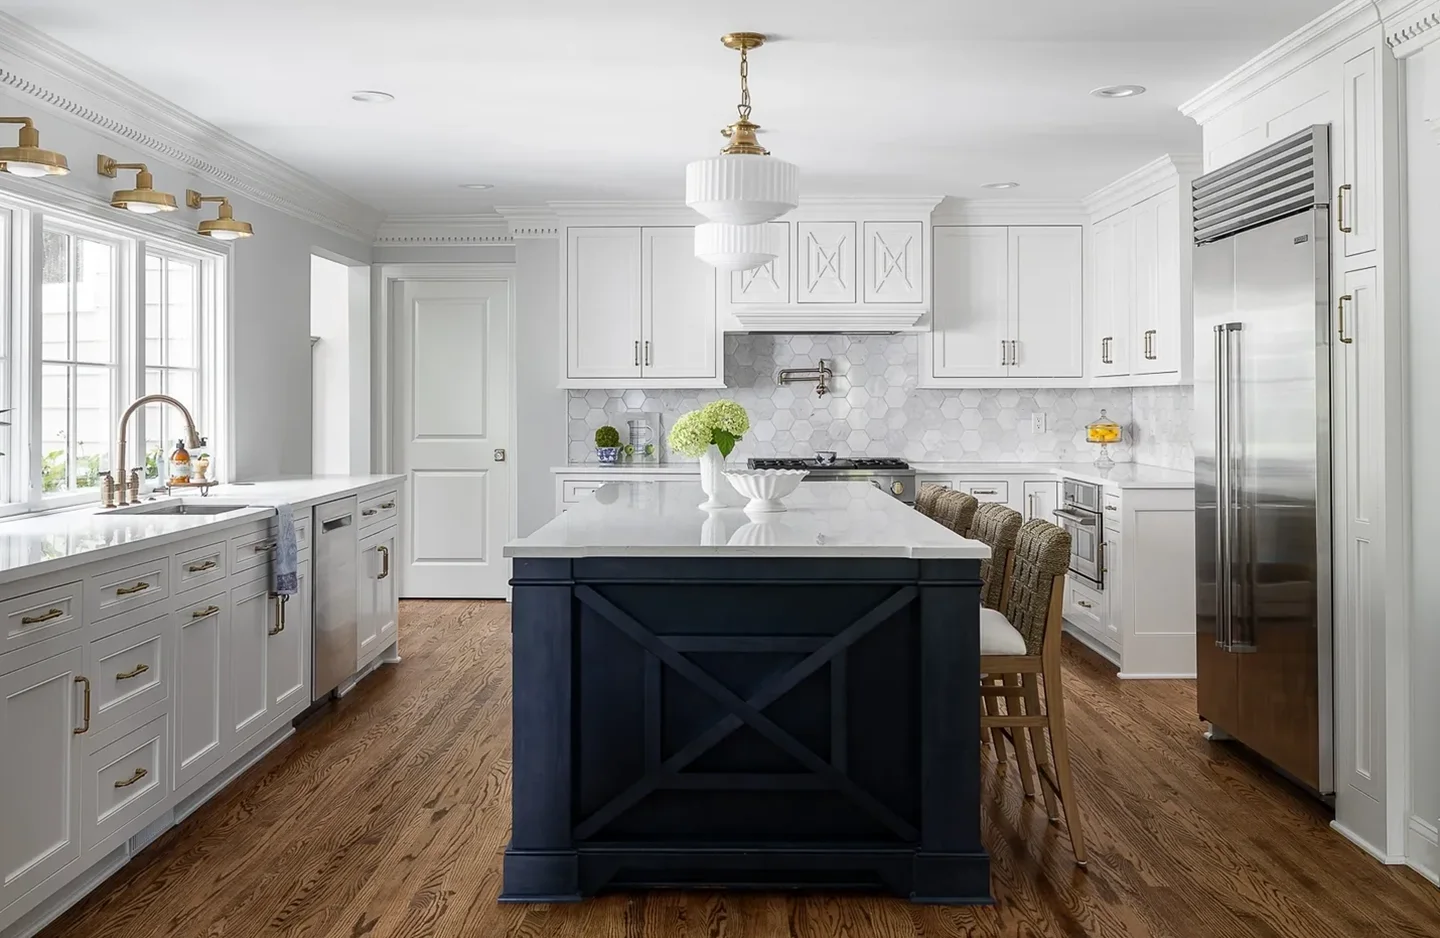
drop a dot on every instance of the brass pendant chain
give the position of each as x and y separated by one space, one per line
744 107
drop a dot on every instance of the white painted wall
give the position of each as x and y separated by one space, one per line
1423 154
269 420
540 436
330 362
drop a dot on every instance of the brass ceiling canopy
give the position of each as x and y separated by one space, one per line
143 199
223 228
28 159
741 134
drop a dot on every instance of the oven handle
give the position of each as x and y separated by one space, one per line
1075 516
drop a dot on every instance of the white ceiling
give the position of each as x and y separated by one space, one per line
608 99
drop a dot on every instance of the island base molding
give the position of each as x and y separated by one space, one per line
746 723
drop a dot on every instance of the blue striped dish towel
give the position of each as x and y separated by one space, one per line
286 566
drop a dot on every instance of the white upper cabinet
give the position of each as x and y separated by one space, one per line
1046 306
677 302
1112 295
827 253
640 310
894 262
972 302
1008 305
1358 195
603 303
1159 306
768 284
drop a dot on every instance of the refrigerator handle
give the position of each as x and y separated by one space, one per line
1241 636
1222 501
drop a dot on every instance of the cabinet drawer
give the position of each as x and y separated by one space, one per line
1086 609
201 566
40 615
378 510
302 530
129 671
124 780
574 491
987 491
109 594
1111 509
251 550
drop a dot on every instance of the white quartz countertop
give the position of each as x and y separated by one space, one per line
660 518
33 545
1123 475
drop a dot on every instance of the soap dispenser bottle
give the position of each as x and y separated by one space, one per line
180 464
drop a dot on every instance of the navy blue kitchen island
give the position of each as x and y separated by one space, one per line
714 699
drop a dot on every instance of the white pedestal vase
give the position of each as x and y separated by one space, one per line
712 468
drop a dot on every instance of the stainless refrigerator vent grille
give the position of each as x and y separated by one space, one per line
1283 179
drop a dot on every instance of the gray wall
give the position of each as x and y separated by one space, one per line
540 436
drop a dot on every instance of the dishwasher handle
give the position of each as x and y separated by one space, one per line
335 524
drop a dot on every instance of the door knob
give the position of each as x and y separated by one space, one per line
499 455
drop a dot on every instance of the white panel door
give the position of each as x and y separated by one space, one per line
827 261
1112 264
288 650
202 682
40 771
972 302
1163 319
768 284
452 433
1047 283
893 262
680 333
379 601
1358 381
1146 318
602 307
253 615
1359 196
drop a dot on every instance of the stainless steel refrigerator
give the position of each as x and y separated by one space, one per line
1262 455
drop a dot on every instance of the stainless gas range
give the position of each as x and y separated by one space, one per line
892 475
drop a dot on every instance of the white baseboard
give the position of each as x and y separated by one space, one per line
1422 848
1092 643
1365 845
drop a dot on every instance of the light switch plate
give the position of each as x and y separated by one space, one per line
1037 423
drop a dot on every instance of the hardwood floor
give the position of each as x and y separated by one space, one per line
387 818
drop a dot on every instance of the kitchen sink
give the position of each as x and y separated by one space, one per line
178 508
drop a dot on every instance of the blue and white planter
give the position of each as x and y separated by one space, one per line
609 455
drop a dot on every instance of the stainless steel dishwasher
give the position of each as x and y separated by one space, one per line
334 644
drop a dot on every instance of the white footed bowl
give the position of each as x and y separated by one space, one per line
765 487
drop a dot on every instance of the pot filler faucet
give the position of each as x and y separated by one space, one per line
818 375
193 437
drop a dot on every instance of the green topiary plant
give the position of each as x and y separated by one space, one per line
607 437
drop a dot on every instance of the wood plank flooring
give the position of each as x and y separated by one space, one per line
387 817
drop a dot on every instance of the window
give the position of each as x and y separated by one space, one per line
93 317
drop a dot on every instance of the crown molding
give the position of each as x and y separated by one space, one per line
1410 25
1010 212
1150 179
62 81
530 221
1308 43
443 231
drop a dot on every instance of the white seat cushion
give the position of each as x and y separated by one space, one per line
998 636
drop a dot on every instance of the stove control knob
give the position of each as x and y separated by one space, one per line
898 488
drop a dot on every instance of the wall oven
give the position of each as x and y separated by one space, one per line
1080 514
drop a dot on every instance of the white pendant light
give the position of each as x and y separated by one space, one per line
735 247
744 185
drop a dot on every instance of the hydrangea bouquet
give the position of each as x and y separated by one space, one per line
723 423
709 435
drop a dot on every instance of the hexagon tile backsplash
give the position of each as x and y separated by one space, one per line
875 409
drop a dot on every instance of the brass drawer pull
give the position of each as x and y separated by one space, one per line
368 512
262 548
44 617
127 782
1081 602
82 679
1340 212
280 602
202 613
202 567
385 556
387 505
1112 507
1347 298
136 671
128 590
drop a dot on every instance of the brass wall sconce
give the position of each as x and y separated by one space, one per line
143 199
222 228
28 159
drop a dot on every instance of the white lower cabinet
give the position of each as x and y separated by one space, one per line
124 779
202 686
287 648
1041 500
379 603
252 618
41 724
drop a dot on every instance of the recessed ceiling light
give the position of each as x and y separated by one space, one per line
1118 91
1001 185
476 185
371 97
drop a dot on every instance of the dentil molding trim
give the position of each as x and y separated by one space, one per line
443 231
62 81
1410 25
1308 43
